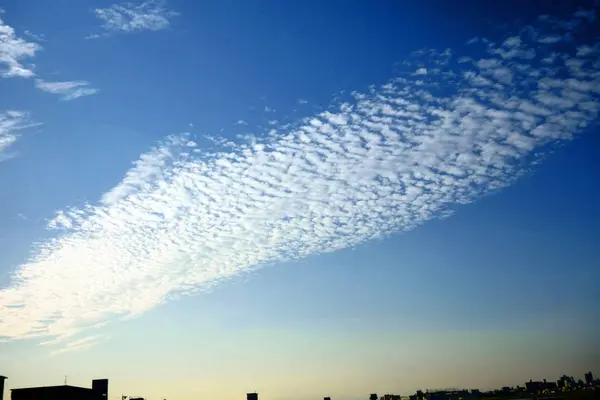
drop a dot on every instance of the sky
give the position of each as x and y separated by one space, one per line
204 199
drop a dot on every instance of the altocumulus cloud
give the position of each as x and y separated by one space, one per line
135 17
385 161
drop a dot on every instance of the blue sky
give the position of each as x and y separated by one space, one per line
209 198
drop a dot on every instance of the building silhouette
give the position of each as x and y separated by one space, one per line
99 391
2 379
534 387
251 396
566 382
589 378
101 386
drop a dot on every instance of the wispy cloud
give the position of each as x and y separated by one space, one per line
94 36
550 39
80 344
391 159
38 37
589 15
11 122
69 90
12 51
135 17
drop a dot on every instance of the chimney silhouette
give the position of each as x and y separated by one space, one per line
249 396
2 379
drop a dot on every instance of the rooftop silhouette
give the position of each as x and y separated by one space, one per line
99 391
565 387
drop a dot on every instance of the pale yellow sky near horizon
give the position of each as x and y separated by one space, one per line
293 364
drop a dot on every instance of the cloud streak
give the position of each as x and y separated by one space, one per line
11 122
135 17
80 344
12 51
69 90
385 161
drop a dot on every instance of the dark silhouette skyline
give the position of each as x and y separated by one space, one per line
562 388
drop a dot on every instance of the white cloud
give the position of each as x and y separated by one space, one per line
12 50
135 17
590 15
512 53
585 50
79 344
94 36
550 39
11 122
391 159
241 122
512 42
69 90
39 37
421 71
269 109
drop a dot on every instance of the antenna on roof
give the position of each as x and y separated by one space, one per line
66 376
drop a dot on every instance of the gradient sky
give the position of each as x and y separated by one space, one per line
201 199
